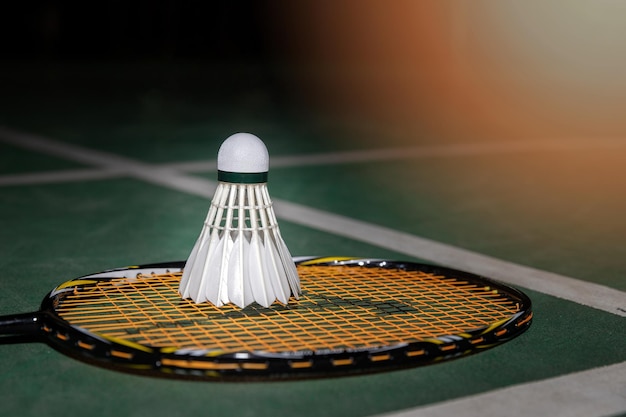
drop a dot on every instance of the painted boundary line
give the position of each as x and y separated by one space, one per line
415 152
330 158
564 395
582 292
535 398
51 177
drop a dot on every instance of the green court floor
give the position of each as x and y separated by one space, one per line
559 210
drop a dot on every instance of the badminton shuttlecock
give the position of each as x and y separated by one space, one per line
240 256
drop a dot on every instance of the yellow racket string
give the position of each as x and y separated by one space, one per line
341 307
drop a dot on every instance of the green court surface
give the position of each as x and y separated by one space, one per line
68 208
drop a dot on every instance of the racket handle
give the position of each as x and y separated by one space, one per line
20 324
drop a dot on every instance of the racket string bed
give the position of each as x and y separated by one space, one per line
341 307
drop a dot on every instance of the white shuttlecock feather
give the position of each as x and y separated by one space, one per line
240 256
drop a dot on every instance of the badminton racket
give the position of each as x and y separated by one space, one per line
354 316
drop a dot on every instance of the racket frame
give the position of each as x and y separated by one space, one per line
194 364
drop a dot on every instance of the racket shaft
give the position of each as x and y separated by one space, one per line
20 324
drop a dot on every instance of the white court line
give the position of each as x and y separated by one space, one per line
329 158
582 292
415 152
66 175
593 295
567 395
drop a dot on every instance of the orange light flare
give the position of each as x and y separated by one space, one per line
458 70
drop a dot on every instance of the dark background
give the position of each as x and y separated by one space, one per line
212 30
448 70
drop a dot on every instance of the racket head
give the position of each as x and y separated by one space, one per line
354 316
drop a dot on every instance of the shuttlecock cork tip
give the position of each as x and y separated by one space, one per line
243 152
243 158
